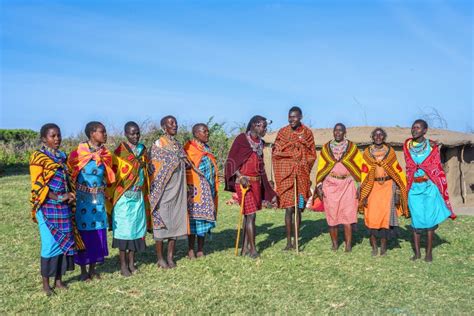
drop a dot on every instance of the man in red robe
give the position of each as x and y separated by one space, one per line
245 168
293 157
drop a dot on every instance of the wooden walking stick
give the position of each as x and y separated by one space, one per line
296 217
239 225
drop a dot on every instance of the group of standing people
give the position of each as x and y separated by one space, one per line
171 191
347 182
183 191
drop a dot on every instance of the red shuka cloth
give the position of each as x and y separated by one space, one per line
253 197
239 153
293 155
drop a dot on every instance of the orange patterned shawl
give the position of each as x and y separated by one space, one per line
196 152
80 157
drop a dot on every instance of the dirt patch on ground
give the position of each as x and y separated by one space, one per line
464 210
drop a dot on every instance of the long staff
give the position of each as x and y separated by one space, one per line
239 225
296 217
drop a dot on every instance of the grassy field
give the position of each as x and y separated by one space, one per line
316 281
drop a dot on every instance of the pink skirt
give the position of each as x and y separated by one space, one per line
340 203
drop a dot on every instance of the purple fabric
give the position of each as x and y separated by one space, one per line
96 247
58 183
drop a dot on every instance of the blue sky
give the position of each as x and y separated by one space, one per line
358 62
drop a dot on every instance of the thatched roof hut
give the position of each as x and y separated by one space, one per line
457 154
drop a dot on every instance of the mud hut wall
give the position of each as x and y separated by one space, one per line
451 161
467 170
459 168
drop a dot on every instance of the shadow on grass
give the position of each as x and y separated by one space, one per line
309 230
112 263
358 233
16 169
221 241
407 234
225 240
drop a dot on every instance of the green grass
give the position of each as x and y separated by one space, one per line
316 281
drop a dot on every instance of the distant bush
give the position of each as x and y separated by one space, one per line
18 135
13 154
220 143
219 140
16 145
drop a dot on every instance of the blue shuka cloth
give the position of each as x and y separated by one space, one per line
129 216
49 247
427 206
90 208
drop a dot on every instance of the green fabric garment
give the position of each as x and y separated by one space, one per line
129 218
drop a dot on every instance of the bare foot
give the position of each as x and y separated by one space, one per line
191 254
375 252
125 272
289 247
200 254
254 255
60 285
95 275
415 257
162 264
132 268
171 263
48 291
348 248
429 258
383 252
85 278
334 247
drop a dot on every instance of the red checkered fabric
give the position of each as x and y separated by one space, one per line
294 154
253 197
